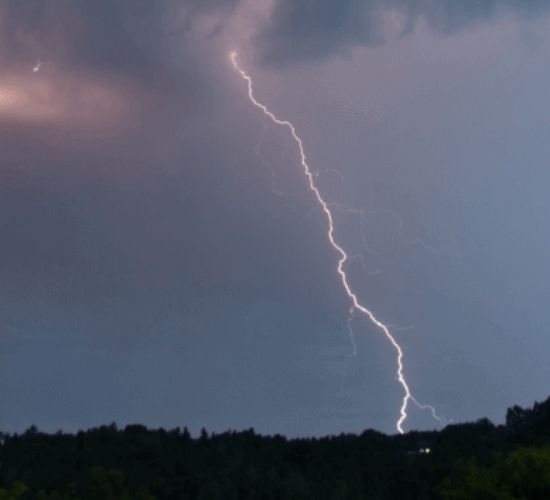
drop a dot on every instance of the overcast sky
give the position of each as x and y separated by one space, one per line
163 262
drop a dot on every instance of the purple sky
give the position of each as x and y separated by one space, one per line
163 261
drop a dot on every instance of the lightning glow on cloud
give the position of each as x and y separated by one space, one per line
67 99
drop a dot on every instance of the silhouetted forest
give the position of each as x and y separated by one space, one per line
464 461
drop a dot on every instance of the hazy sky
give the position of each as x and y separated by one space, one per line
163 261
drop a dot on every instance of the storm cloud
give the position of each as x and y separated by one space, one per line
315 29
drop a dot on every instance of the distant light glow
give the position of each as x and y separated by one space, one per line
66 98
9 97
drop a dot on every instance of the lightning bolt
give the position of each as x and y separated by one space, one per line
356 306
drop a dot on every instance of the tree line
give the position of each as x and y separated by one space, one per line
477 460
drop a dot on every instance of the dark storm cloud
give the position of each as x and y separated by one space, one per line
122 36
139 37
315 29
83 33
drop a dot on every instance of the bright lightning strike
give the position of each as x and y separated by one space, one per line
356 306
